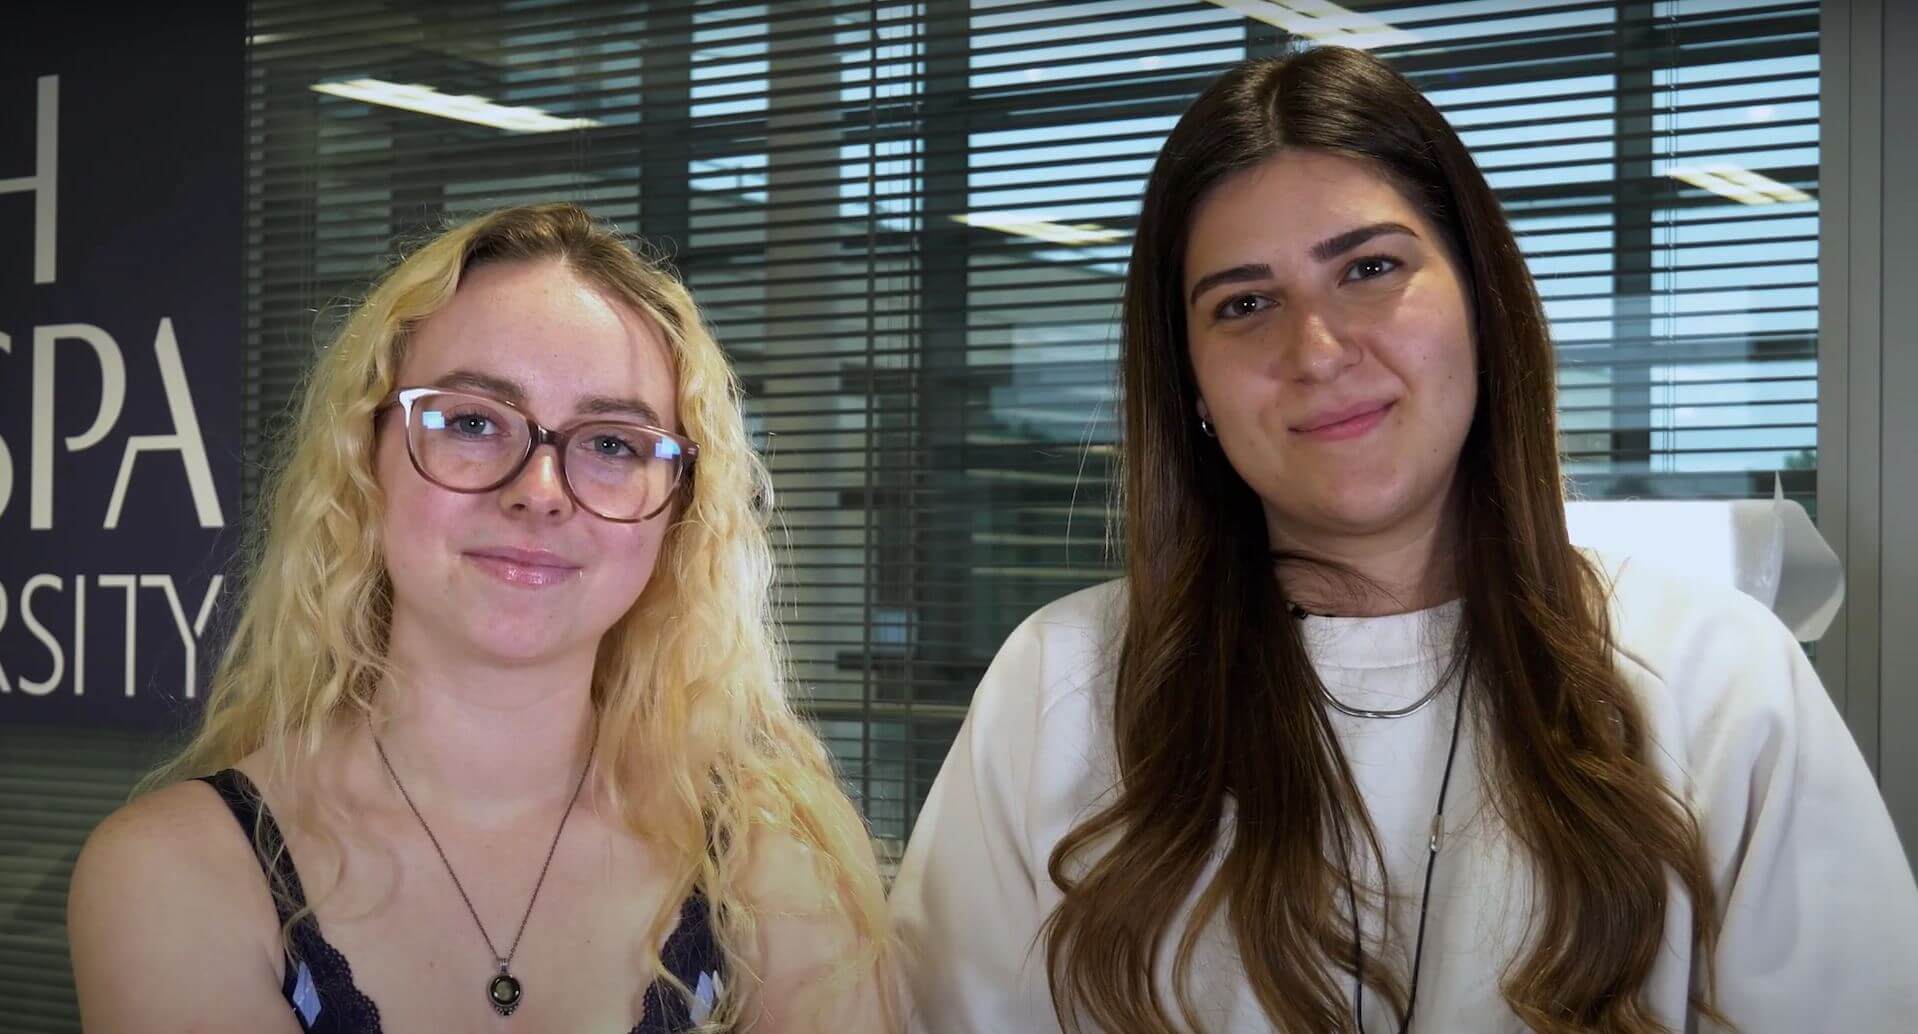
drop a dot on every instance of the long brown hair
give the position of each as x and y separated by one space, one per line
1217 700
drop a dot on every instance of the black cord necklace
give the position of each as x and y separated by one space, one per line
1433 845
1425 896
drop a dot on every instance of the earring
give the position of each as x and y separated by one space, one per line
1206 428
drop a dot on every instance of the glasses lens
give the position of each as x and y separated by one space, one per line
622 471
465 442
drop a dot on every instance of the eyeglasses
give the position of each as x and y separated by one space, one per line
619 471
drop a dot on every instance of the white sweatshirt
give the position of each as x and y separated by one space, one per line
1819 925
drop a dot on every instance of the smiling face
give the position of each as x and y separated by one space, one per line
522 574
1331 337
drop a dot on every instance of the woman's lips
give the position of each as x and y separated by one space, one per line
1348 427
516 567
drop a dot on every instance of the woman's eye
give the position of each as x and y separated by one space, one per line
472 423
1371 267
609 445
1242 306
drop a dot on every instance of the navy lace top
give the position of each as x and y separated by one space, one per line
318 986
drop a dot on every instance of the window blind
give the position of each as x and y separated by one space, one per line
56 784
908 224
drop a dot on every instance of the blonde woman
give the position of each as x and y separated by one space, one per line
501 722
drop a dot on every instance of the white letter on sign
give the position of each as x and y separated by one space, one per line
45 179
6 463
184 440
41 687
113 393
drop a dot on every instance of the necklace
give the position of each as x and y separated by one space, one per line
1360 712
1300 614
503 991
1425 896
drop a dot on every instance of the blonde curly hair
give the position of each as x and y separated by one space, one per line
699 748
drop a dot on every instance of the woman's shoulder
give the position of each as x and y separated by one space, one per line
1705 655
817 960
1663 621
1062 649
188 821
1092 615
169 876
1084 625
182 832
176 847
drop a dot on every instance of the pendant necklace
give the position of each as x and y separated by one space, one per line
503 990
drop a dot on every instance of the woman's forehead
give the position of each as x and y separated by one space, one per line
1297 196
542 329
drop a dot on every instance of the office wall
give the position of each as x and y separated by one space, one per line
1868 393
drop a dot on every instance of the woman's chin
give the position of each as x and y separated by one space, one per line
1374 511
517 647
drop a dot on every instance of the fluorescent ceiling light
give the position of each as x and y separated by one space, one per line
1738 183
1056 233
1322 22
428 101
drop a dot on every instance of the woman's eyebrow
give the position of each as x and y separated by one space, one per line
511 391
499 387
1237 274
600 405
1340 243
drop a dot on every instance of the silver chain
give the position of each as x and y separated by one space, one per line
1404 712
506 959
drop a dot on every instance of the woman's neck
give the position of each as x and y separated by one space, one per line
1407 568
479 742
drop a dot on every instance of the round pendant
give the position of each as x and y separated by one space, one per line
503 991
